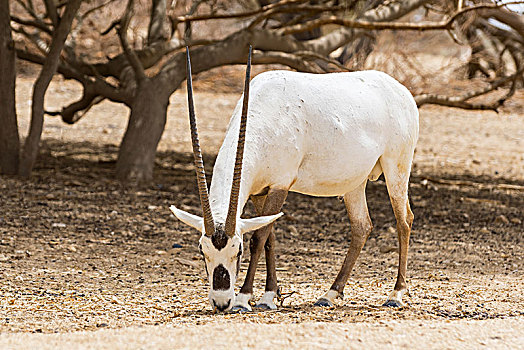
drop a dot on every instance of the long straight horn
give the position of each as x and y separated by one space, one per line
197 154
235 187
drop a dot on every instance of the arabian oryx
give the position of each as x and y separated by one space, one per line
316 134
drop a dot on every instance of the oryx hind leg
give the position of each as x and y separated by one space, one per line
397 173
263 238
361 227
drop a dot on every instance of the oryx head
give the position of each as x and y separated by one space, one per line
221 243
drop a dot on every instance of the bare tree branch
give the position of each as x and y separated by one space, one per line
96 8
231 50
76 110
477 185
314 55
130 53
32 23
310 9
291 60
390 11
52 13
462 101
156 30
29 8
509 18
442 25
505 35
37 59
113 25
97 85
194 18
34 38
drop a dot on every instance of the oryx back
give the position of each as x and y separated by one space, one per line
320 134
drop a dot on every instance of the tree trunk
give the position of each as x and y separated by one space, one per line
9 139
136 157
49 67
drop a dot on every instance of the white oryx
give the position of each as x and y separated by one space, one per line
317 134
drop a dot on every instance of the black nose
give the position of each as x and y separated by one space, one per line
223 306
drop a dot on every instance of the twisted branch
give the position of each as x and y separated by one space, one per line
462 101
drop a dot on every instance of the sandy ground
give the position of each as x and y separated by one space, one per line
488 334
81 253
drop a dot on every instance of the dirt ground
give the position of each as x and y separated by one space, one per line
439 334
81 252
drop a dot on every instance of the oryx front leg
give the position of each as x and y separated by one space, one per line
267 301
361 227
271 205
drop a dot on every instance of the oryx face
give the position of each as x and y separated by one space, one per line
222 255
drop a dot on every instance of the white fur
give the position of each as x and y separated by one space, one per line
242 300
330 295
268 299
396 296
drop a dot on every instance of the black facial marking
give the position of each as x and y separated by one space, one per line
239 256
238 265
221 280
203 257
219 237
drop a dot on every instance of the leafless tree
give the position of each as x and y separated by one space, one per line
145 73
61 28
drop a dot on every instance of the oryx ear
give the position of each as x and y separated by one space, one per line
187 218
246 225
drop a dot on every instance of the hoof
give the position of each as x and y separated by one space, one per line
239 309
264 306
393 303
323 303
